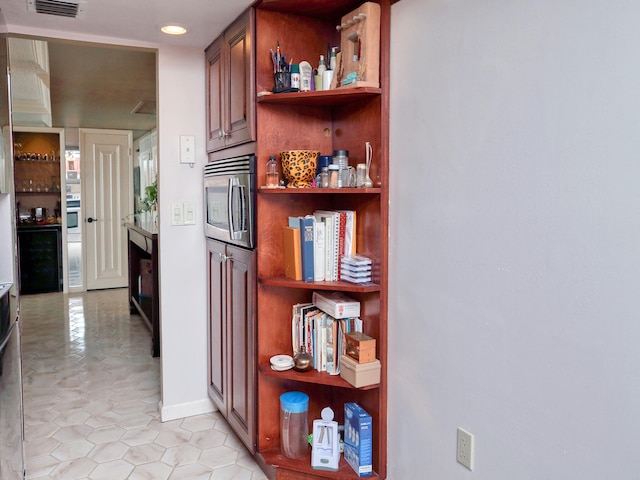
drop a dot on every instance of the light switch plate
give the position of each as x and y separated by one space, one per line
177 214
187 149
189 213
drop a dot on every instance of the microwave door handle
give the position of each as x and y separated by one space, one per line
235 231
232 182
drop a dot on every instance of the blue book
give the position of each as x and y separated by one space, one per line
307 251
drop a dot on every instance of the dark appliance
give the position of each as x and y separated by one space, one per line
40 254
229 196
11 423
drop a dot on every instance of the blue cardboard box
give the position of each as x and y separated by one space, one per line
358 439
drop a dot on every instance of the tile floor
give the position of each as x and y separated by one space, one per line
91 393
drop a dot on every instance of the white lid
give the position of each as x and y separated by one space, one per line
281 362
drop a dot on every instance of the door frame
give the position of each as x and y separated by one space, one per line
63 194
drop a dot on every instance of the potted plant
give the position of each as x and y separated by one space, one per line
150 200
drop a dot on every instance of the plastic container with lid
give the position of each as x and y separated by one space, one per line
341 159
294 424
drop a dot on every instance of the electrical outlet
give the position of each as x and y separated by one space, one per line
465 448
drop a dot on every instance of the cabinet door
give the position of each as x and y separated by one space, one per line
241 343
239 94
216 324
215 84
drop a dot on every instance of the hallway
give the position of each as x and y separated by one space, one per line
91 393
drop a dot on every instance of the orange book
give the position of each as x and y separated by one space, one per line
291 250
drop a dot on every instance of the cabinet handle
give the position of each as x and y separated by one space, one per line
222 134
222 257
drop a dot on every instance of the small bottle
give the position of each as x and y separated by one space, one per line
272 173
334 173
333 60
324 178
321 66
295 76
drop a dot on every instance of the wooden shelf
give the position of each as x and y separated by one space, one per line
274 458
56 192
342 286
319 378
318 191
322 98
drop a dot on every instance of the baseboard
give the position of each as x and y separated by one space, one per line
183 410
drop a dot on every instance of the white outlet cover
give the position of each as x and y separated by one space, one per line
464 450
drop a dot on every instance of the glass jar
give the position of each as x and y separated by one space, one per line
334 174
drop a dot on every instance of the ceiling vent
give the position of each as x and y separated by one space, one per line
69 8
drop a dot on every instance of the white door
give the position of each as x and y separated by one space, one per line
107 179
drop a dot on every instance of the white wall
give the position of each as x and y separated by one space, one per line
515 250
181 111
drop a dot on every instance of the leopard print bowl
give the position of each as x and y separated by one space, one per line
299 167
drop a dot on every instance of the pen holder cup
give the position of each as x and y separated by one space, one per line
282 81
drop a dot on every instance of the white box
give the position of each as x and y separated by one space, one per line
336 304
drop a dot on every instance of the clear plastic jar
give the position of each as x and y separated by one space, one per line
341 159
334 176
294 424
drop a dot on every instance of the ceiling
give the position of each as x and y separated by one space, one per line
97 85
137 20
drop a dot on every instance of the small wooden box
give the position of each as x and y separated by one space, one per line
360 347
359 374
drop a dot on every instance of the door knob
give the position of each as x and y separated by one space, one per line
89 220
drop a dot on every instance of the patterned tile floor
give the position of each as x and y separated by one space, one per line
91 393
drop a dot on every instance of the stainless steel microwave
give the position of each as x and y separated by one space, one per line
229 200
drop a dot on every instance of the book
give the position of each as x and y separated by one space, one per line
297 330
349 232
332 233
306 247
291 252
342 222
319 250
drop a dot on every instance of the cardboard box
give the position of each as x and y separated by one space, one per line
358 439
359 374
360 347
336 304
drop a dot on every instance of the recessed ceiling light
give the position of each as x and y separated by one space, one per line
173 30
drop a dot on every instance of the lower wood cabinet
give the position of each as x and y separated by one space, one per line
231 334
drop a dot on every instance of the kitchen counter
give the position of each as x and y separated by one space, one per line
143 279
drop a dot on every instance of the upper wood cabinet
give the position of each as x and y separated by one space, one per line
231 86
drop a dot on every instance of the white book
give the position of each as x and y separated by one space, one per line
319 250
331 245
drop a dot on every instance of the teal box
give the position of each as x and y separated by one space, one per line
358 439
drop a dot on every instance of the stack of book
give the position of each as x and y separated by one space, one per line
321 332
314 245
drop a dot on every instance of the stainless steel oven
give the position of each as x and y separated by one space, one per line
229 200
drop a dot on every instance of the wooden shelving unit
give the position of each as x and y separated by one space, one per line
343 118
